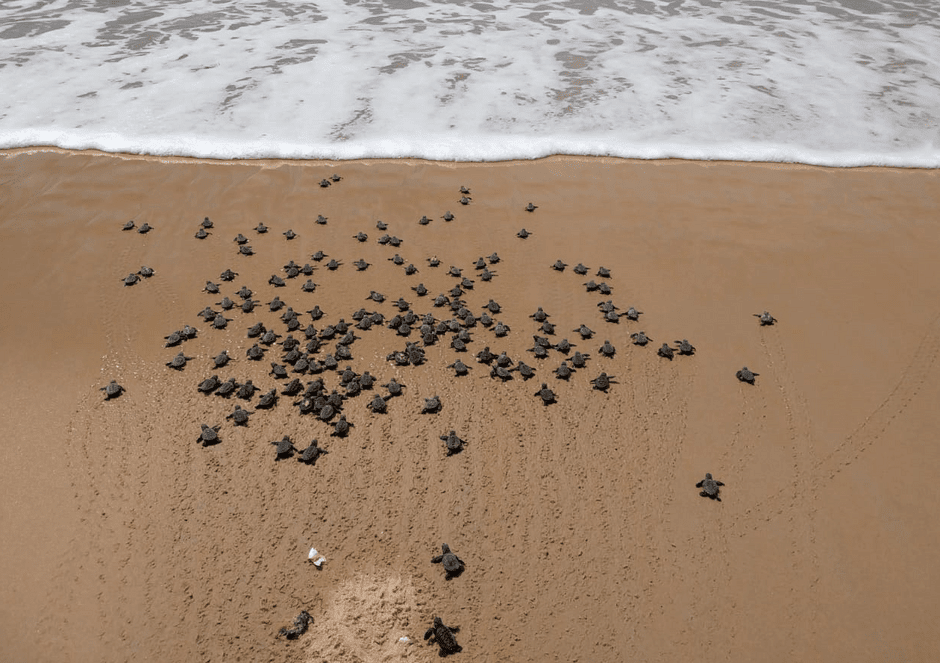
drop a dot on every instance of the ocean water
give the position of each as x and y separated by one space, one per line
829 82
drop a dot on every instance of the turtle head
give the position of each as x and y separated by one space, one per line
445 548
438 621
708 475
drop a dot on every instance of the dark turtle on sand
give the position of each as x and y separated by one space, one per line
226 303
284 448
420 290
424 220
444 637
608 349
276 304
607 306
685 348
361 236
366 380
325 183
301 623
335 177
591 286
394 387
459 367
246 250
633 314
333 264
603 381
145 228
394 241
746 375
709 486
361 265
431 405
765 318
309 286
458 344
209 385
539 315
397 259
580 269
278 371
221 359
612 316
256 330
239 416
603 272
410 269
129 225
484 356
289 343
248 305
522 234
130 279
585 331
341 427
206 313
525 370
201 234
381 225
261 229
501 372
548 328
211 288
276 281
434 261
173 339
240 239
464 200
228 275
453 565
484 320
666 352
564 371
307 269
378 405
501 329
492 307
465 191
227 388
640 338
383 240
448 216
531 208
268 399
318 256
539 351
112 390
376 296
206 223
311 453
546 394
504 360
559 266
579 360
178 362
209 435
563 346
316 313
604 289
402 304
247 390
293 387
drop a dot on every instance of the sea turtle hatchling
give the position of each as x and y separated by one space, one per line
564 371
145 228
493 258
464 200
221 359
227 388
603 272
685 348
112 390
335 177
201 234
284 448
585 331
309 286
633 314
444 637
710 487
239 416
324 183
240 239
268 399
276 281
640 338
228 275
434 261
130 279
746 375
310 454
464 190
608 350
361 236
580 269
579 360
453 565
178 362
563 346
173 339
394 387
333 264
431 405
459 367
501 372
278 371
146 272
559 266
378 405
666 352
523 234
531 208
261 229
765 318
206 223
361 265
424 220
247 390
546 394
209 385
301 623
454 445
208 435
318 256
246 250
603 381
377 297
129 225
341 427
289 234
448 216
525 370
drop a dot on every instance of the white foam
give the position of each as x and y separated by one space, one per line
821 84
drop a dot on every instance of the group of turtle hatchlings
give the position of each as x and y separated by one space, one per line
501 366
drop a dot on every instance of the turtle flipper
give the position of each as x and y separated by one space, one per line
703 494
719 483
437 559
700 484
428 633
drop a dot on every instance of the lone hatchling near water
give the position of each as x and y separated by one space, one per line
302 621
709 487
453 565
765 318
209 435
444 637
112 390
746 375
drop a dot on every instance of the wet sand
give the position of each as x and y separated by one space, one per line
583 534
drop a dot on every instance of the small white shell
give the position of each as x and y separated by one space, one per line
313 553
319 562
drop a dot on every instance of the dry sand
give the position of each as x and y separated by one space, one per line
583 534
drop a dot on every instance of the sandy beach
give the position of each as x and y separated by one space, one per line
582 531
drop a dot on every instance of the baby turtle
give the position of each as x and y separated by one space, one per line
285 448
394 387
226 304
381 225
434 261
341 427
178 362
453 565
248 305
378 405
579 360
383 240
316 313
603 272
765 318
293 387
591 286
130 279
492 307
211 288
247 390
531 208
145 228
188 332
444 637
563 346
580 269
239 416
612 316
173 339
201 234
228 275
278 371
540 315
276 304
301 623
410 269
665 351
746 375
246 250
394 241
564 371
361 236
129 225
431 405
240 239
333 264
318 256
604 289
464 201
633 314
206 223
459 367
709 486
448 216
209 435
209 385
608 350
227 388
640 338
309 286
261 229
311 453
420 290
546 394
559 266
361 265
335 178
256 330
464 190
603 381
289 234
585 331
268 399
376 296
325 183
112 390
522 234
685 348
501 372
525 370
424 221
276 281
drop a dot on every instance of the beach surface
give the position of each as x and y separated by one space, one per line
583 534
